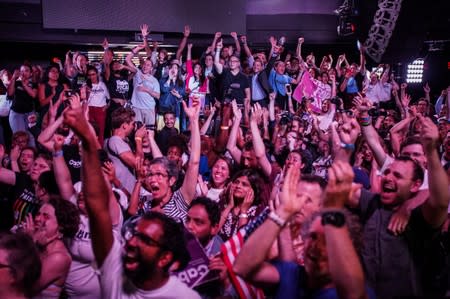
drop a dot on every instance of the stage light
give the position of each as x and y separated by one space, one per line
414 72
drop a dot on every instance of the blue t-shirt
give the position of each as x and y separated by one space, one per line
293 284
278 82
352 86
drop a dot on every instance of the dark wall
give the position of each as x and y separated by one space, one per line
204 16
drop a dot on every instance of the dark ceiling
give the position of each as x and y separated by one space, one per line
22 30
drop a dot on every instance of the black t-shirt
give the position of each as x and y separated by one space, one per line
234 85
25 201
164 136
73 161
23 102
119 87
78 81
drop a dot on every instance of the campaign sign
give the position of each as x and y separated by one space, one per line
196 272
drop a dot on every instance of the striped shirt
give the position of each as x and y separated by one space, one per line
176 207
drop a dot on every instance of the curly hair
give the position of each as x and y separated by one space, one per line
67 215
259 185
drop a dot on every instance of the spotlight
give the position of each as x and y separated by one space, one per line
414 72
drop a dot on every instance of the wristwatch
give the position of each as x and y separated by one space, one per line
334 218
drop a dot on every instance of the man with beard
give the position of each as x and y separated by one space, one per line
331 267
398 265
152 244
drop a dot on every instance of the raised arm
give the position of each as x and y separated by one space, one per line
217 36
362 61
250 263
217 64
145 32
258 144
236 43
369 132
435 208
298 52
190 178
94 185
62 173
231 144
398 133
208 121
344 264
247 50
183 42
107 60
156 151
130 56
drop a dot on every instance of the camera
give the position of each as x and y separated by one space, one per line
281 41
63 130
285 118
138 124
336 100
68 93
374 112
150 127
288 88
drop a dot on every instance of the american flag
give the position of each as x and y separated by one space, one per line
230 249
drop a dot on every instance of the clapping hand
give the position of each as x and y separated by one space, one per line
339 187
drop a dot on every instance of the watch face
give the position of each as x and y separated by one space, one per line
335 218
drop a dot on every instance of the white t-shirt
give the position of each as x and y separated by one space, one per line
99 94
82 281
142 99
115 285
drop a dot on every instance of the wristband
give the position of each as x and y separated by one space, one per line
138 138
333 218
243 216
277 219
348 146
58 154
224 127
365 121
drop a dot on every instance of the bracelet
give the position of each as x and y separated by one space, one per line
365 121
224 127
243 216
348 146
277 219
58 154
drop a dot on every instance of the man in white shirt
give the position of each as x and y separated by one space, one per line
153 243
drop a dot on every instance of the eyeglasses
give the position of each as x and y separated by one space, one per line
158 175
132 232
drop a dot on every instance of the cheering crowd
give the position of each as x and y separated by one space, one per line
236 174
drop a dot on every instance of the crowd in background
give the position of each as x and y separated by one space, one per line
293 178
